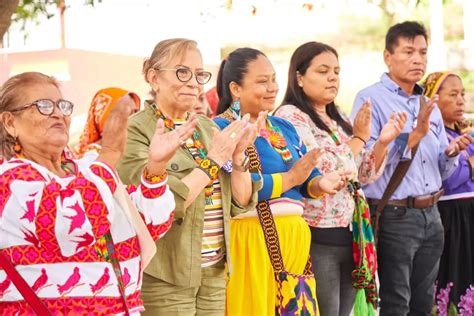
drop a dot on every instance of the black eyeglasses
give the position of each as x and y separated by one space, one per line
46 106
184 75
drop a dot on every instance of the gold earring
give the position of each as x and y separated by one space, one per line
17 146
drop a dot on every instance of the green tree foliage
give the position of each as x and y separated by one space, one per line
30 11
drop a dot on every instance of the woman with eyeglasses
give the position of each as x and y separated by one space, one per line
66 236
187 275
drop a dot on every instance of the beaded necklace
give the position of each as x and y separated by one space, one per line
169 124
200 154
274 136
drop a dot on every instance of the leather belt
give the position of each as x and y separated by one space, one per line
422 201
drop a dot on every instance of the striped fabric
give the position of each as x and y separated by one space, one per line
212 250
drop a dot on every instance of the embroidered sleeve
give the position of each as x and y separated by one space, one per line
156 204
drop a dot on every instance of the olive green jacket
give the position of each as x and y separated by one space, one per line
178 257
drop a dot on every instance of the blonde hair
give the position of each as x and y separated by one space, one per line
10 97
165 51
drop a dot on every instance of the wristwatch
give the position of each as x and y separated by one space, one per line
244 167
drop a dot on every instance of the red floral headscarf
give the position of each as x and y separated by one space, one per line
103 101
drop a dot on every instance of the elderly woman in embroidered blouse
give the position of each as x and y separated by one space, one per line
313 83
456 207
57 219
246 86
187 274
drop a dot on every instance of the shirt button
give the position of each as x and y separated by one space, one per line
426 184
424 161
174 166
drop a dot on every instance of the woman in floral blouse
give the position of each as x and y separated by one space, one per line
313 83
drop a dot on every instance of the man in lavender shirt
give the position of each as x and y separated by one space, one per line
411 234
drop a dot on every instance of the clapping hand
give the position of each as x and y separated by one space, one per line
332 182
115 132
251 132
224 142
361 126
458 144
302 168
164 144
423 120
392 128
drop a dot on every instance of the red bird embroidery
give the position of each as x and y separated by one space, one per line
66 193
87 239
70 282
126 276
101 283
76 220
4 285
30 237
40 281
30 211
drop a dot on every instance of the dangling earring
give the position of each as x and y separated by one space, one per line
236 108
236 105
17 147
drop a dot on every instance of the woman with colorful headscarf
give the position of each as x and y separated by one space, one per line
102 103
456 270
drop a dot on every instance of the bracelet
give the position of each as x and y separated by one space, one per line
244 167
311 194
210 168
360 138
153 178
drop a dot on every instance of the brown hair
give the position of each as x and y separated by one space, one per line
299 63
164 51
11 97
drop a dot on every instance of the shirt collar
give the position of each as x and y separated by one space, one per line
394 87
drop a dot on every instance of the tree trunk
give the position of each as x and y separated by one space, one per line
7 8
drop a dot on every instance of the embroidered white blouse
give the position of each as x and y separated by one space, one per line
52 230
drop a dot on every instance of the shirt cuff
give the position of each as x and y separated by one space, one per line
152 190
277 185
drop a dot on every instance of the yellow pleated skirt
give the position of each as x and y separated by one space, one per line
251 289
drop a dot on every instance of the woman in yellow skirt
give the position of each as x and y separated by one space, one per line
246 85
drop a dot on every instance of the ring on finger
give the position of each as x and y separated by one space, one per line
232 136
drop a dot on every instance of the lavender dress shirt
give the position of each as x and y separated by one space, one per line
430 165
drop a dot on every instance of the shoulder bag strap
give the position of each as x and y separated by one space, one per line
395 180
265 216
266 219
25 290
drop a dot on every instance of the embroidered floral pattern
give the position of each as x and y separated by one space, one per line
331 210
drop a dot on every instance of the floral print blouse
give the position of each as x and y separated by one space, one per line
331 210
